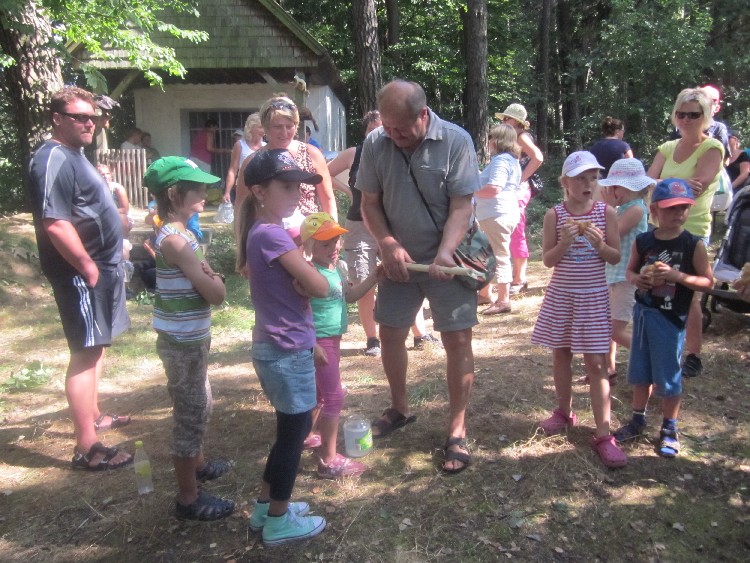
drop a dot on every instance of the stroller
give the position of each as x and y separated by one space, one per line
733 253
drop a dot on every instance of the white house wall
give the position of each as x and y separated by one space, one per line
160 112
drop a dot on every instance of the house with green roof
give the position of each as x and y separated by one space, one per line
255 49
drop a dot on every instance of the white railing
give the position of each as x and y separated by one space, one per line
127 167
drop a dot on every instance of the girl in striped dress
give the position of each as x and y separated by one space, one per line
579 237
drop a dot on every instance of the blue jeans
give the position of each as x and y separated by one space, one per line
287 377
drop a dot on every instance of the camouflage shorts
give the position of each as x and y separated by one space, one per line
190 390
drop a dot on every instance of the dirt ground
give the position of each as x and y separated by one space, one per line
525 497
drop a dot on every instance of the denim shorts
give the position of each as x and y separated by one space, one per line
655 352
287 377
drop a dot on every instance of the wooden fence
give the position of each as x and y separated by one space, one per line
127 168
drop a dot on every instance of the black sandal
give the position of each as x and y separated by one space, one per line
452 455
213 469
389 421
83 461
206 507
117 422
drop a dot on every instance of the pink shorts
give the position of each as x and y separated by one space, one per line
518 246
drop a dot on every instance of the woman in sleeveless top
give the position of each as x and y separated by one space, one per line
252 141
280 119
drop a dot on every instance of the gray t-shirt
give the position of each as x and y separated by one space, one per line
444 165
64 185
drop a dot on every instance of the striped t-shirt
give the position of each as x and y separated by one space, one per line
581 269
180 313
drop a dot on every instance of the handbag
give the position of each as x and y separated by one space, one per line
536 185
474 251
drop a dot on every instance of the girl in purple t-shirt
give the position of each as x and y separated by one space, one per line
281 283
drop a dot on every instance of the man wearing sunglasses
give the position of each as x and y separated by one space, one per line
79 235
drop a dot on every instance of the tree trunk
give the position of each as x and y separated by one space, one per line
543 72
26 37
367 51
394 21
475 43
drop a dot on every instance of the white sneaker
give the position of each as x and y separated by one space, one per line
260 513
290 527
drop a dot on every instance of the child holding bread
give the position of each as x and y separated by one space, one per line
579 237
667 265
625 188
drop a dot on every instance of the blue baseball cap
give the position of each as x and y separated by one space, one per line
673 191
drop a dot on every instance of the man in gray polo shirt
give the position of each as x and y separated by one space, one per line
416 150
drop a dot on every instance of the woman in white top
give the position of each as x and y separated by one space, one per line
498 212
251 142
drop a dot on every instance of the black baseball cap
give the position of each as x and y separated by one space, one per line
277 164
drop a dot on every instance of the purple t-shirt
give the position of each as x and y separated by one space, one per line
282 316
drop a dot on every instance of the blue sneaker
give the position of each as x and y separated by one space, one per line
629 432
290 527
260 513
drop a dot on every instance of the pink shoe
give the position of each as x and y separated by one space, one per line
341 466
311 442
608 451
558 422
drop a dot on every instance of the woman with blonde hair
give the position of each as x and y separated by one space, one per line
279 116
251 142
531 159
498 212
699 159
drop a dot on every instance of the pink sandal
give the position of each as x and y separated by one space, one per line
608 451
558 422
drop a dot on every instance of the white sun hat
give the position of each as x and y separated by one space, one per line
578 162
517 112
628 173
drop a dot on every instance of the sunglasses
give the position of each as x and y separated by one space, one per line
688 114
282 105
82 118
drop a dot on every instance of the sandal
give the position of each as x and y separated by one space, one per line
389 421
608 451
117 422
83 461
205 507
213 469
629 432
497 309
669 443
453 455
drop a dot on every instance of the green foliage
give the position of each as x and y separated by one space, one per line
124 28
222 253
144 298
11 194
33 375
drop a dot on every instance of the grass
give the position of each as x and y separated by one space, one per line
525 497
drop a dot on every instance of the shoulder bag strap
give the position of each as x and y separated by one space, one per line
416 184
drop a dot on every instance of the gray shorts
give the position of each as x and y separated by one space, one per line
91 316
187 382
453 306
361 250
